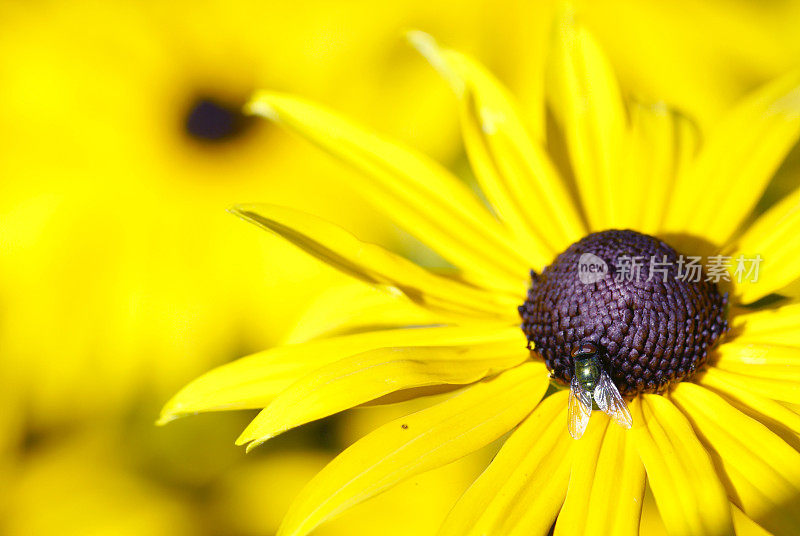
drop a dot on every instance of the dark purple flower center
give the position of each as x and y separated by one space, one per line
212 121
654 318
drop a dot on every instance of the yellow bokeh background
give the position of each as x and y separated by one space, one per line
122 277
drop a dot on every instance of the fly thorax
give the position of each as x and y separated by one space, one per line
587 371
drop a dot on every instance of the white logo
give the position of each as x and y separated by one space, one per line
591 268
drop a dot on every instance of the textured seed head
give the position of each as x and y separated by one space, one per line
653 329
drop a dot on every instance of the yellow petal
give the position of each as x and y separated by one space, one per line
418 194
254 381
795 408
523 488
737 162
363 377
651 523
744 526
760 471
354 307
778 418
377 266
778 325
660 143
774 238
586 99
606 485
775 388
762 360
572 518
513 170
417 443
686 488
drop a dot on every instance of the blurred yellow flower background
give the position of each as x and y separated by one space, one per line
122 277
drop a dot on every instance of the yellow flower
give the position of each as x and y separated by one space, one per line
718 448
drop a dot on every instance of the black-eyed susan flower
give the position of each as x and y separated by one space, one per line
710 384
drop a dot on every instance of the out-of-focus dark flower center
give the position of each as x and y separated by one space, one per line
632 295
209 120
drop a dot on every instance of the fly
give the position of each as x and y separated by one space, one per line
590 382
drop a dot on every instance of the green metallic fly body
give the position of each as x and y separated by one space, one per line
587 366
591 383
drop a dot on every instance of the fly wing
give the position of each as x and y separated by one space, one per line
579 409
611 402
